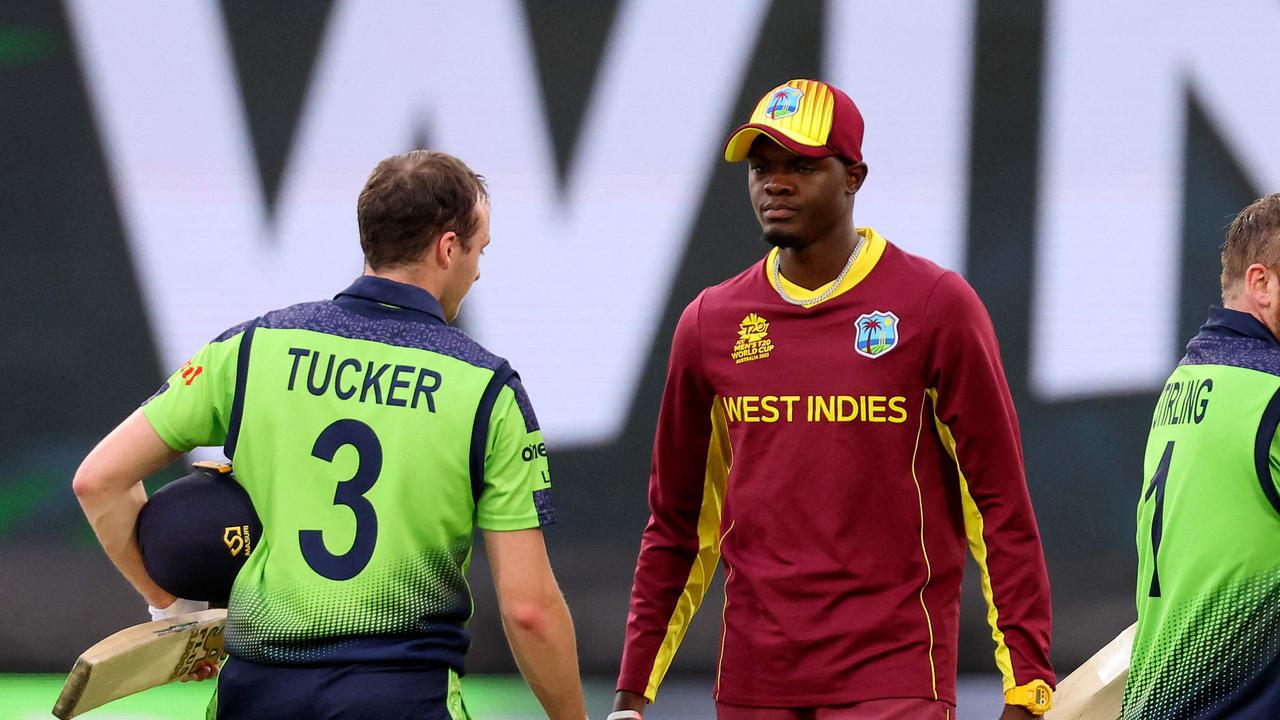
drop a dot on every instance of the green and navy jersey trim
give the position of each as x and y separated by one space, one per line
388 299
504 376
1234 339
235 330
1262 449
480 428
237 399
369 310
365 311
1237 339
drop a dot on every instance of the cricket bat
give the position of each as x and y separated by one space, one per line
141 657
1094 691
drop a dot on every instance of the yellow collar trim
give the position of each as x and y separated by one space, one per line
861 268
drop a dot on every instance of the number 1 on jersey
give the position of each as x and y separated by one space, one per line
350 493
1157 520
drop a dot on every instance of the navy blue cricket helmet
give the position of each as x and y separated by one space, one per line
196 533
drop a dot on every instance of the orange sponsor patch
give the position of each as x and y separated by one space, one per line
191 372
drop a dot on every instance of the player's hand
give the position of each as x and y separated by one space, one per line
625 700
204 670
176 608
1017 712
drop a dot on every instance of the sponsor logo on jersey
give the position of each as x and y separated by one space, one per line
784 103
190 372
236 538
533 452
753 340
877 333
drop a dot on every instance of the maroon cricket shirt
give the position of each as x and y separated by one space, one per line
839 458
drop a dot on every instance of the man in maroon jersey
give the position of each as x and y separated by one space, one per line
835 424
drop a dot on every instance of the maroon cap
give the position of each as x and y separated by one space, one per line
807 117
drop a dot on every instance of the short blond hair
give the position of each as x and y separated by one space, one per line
1254 237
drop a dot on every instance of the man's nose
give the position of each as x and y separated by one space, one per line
777 184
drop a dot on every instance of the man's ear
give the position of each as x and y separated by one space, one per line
1255 283
445 246
854 176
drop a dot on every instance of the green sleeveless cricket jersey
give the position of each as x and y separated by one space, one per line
1208 642
373 439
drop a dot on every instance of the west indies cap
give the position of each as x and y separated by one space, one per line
807 117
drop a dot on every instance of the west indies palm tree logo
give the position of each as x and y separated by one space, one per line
784 102
877 333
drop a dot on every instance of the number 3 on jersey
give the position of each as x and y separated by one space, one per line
350 493
1157 520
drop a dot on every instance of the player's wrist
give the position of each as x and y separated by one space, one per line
159 599
178 606
628 705
1036 697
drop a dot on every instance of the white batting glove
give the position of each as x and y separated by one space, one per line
176 608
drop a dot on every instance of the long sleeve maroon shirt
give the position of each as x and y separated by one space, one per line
839 457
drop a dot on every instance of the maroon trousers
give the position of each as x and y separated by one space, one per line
889 709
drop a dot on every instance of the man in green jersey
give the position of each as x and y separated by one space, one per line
1208 642
373 438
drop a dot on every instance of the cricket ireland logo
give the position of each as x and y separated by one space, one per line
877 333
753 340
784 102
